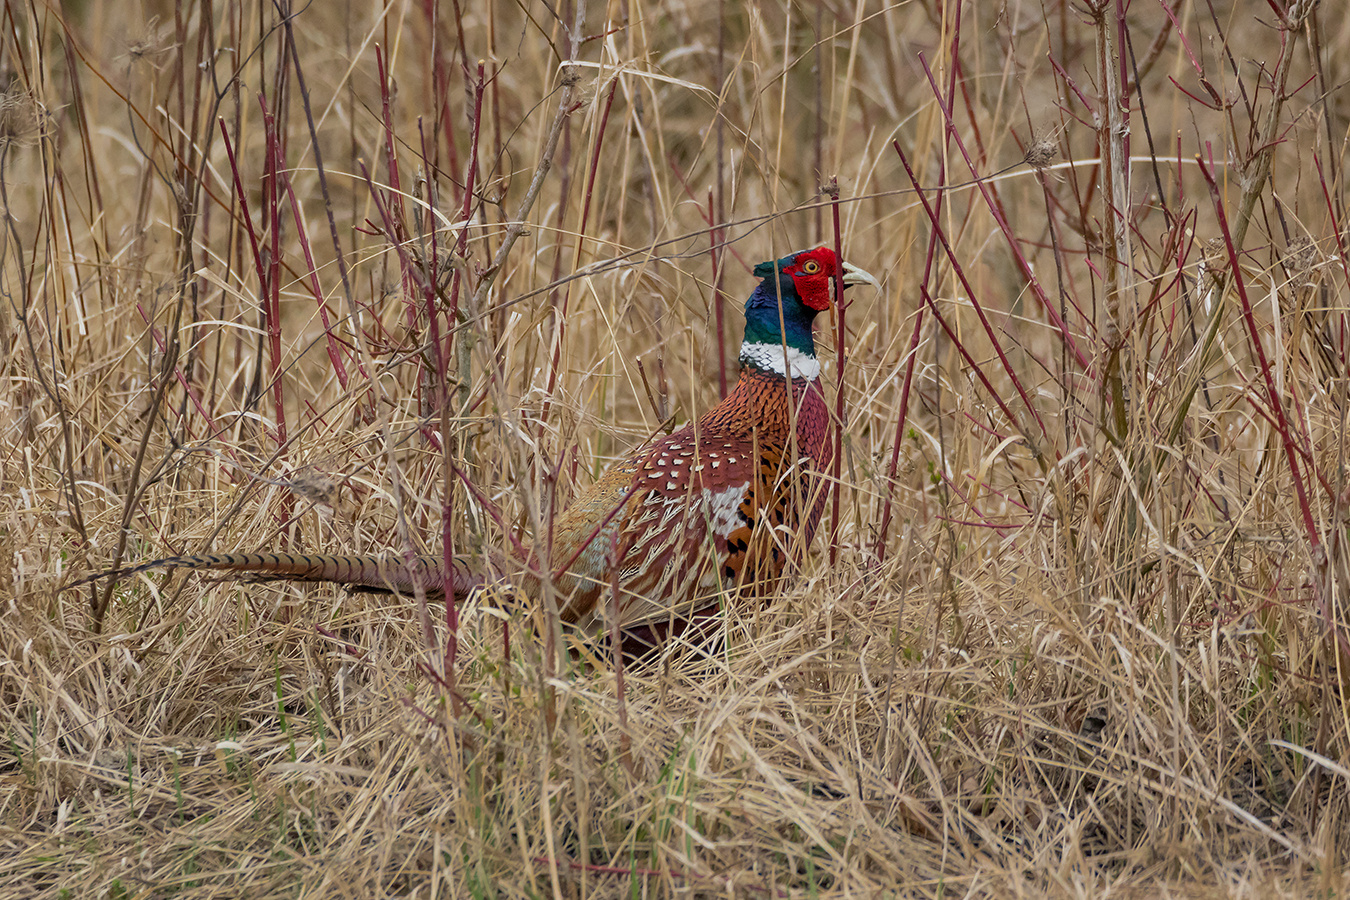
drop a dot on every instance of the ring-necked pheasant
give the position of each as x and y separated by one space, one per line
720 504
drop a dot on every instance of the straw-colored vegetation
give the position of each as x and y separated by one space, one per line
1084 634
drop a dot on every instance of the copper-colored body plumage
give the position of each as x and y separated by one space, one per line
719 506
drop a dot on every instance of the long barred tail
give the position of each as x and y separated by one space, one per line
373 574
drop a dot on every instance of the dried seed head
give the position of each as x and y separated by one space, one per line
1214 254
23 119
1304 261
152 42
1042 151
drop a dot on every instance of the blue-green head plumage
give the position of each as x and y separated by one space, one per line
783 307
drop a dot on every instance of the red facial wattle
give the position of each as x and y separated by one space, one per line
812 273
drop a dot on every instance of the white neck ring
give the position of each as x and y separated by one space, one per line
772 358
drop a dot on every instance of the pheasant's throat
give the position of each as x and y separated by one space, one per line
781 360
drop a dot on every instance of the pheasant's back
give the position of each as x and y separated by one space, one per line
721 503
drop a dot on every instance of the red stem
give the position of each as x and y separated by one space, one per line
974 303
247 218
444 356
394 222
841 360
719 299
1272 394
930 260
333 347
1013 245
1315 549
556 361
894 466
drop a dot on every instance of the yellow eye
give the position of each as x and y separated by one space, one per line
811 267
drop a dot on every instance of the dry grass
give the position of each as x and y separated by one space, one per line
1098 648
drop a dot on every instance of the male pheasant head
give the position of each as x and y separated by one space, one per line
779 313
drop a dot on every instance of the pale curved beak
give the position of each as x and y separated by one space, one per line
855 275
